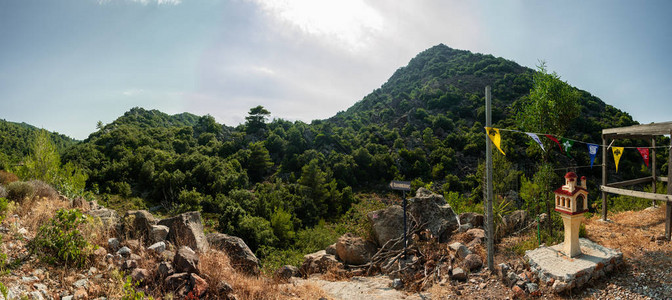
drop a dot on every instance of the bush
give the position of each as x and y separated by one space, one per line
60 242
3 208
43 190
19 190
7 178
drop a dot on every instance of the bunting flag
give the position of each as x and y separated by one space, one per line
554 139
645 155
495 137
592 149
566 145
618 151
536 139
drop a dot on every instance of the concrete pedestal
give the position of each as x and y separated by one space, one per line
551 264
572 223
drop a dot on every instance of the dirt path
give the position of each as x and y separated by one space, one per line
362 288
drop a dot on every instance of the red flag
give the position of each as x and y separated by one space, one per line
645 155
555 140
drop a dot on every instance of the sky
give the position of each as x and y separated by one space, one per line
67 64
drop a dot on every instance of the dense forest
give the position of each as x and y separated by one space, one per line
270 180
16 138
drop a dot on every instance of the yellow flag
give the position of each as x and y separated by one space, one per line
495 137
618 151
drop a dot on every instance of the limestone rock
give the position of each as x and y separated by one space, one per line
198 285
157 247
387 224
108 217
458 274
158 233
186 260
140 275
124 252
472 262
354 250
113 243
318 262
165 269
431 209
475 219
137 224
178 284
186 230
286 272
239 253
512 222
460 249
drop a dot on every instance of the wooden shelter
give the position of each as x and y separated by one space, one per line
643 132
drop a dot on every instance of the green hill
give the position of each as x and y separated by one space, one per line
15 139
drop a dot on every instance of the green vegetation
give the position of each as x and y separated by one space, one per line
60 242
288 188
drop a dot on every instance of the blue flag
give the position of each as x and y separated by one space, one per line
592 149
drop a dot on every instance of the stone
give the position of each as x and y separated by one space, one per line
458 274
178 284
464 227
354 250
186 230
387 224
140 275
476 233
80 294
512 222
158 233
475 219
198 285
331 249
518 292
559 286
100 252
431 209
165 269
82 283
135 257
81 203
472 262
532 287
186 260
460 249
113 243
35 295
133 244
137 224
129 264
108 217
286 272
240 255
68 297
124 252
318 262
157 247
397 284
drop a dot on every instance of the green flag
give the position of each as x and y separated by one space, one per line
566 145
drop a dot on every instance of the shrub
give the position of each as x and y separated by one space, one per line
19 190
3 208
43 190
60 242
3 192
7 178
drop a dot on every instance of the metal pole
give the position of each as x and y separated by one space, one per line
405 242
604 178
489 233
668 205
653 168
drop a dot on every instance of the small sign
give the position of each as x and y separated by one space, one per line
400 185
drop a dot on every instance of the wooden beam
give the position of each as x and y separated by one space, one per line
638 194
662 179
631 182
620 136
647 129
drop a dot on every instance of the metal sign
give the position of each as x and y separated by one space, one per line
400 185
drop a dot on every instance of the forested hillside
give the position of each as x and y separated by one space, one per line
270 181
15 141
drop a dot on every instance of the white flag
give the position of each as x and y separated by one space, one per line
536 139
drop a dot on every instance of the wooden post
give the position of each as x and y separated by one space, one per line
604 178
490 222
668 205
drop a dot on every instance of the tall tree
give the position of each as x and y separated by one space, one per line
260 161
256 119
43 163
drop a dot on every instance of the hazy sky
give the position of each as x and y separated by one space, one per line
64 65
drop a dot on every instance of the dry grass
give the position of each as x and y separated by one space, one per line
216 268
37 212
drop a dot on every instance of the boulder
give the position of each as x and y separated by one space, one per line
178 284
331 249
158 233
239 253
458 274
81 203
124 252
113 243
475 219
476 233
318 262
512 222
140 275
186 260
198 285
137 224
431 209
387 224
354 250
157 247
472 262
108 217
186 230
460 249
165 269
286 272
